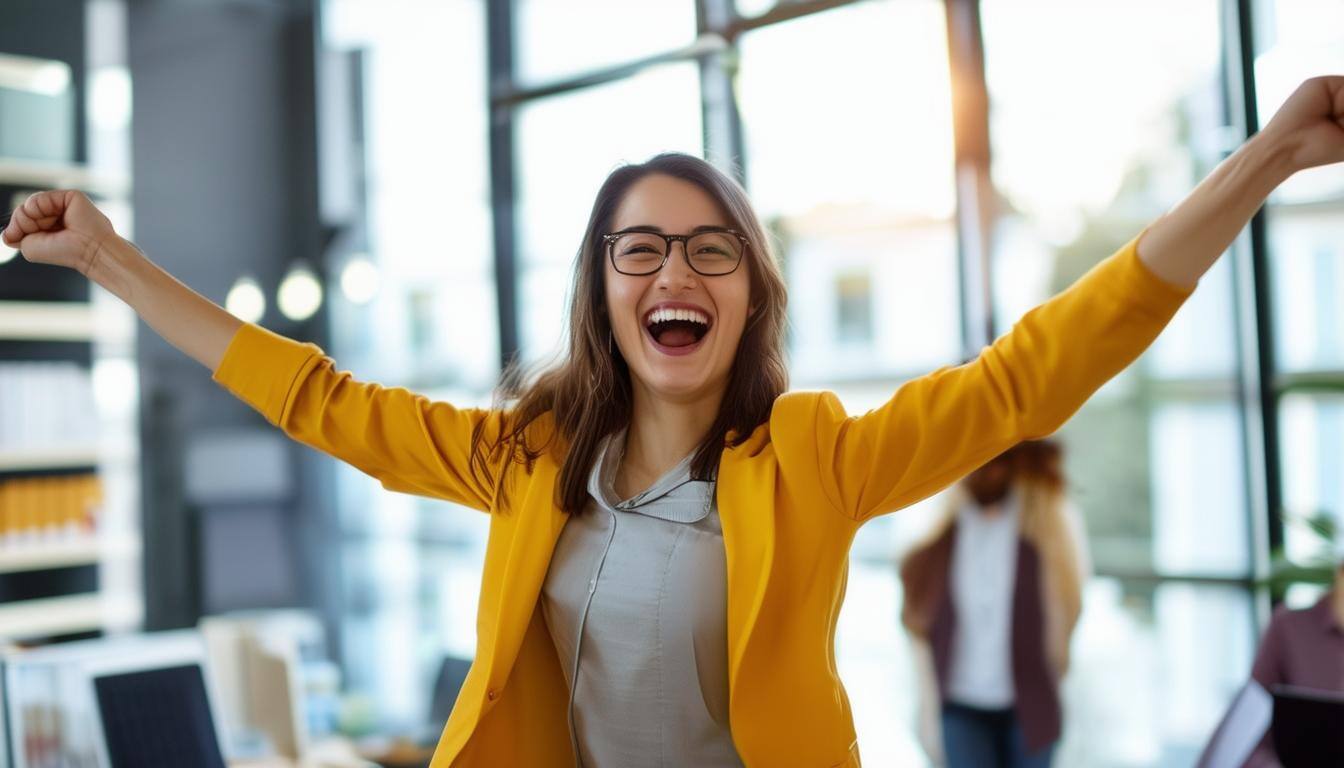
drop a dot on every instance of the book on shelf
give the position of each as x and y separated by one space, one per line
38 511
47 405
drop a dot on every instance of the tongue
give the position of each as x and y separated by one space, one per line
676 337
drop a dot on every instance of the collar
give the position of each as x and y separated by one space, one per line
680 499
1009 508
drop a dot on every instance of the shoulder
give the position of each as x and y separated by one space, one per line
1268 666
805 408
1284 628
805 421
1288 619
805 430
792 431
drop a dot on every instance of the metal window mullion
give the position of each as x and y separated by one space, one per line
779 14
1254 312
721 119
974 186
500 74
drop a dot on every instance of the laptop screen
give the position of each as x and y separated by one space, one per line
158 717
1308 727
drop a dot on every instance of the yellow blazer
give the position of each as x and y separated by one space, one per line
790 499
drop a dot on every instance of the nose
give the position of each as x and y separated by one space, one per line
677 273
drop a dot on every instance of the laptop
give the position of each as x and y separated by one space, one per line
1308 727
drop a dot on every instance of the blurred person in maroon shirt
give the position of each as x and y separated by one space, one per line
1304 649
1301 648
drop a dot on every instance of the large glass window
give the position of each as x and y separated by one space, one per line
1085 155
855 180
567 145
1296 39
556 39
1082 166
410 567
1153 667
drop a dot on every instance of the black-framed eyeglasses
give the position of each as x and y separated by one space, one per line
709 252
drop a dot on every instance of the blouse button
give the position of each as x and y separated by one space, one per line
492 694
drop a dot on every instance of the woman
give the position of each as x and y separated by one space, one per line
679 350
991 599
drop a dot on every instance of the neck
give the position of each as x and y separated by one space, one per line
662 432
991 499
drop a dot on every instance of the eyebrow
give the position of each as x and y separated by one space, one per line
659 230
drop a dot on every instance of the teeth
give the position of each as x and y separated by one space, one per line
687 315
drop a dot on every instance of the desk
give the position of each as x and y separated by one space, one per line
329 753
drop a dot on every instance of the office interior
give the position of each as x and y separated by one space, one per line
405 183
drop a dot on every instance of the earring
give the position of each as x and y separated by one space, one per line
609 352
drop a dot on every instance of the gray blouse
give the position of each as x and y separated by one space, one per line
636 603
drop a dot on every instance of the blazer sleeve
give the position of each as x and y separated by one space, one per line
939 427
402 439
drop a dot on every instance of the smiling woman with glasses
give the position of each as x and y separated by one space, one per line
669 530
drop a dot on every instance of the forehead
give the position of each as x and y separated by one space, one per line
668 203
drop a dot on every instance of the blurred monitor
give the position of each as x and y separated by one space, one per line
260 657
157 717
452 674
53 710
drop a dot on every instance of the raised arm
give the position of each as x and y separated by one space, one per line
1308 131
1030 381
65 229
404 440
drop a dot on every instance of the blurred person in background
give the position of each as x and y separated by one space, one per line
991 600
1302 649
669 530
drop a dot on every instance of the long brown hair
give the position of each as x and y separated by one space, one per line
588 392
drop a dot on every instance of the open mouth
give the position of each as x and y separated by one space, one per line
676 330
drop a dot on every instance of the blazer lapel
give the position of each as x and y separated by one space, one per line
537 525
746 498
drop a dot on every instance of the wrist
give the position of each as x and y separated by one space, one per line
115 264
1271 155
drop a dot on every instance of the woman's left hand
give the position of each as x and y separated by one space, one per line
1310 124
1307 131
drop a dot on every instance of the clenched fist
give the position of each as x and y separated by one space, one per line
60 227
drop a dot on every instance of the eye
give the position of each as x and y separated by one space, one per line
639 246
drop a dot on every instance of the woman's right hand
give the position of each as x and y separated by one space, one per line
64 228
61 227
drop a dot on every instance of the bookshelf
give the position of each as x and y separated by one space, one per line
41 174
42 618
70 540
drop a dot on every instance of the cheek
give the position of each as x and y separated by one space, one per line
622 300
734 306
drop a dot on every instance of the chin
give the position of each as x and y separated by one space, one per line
681 388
